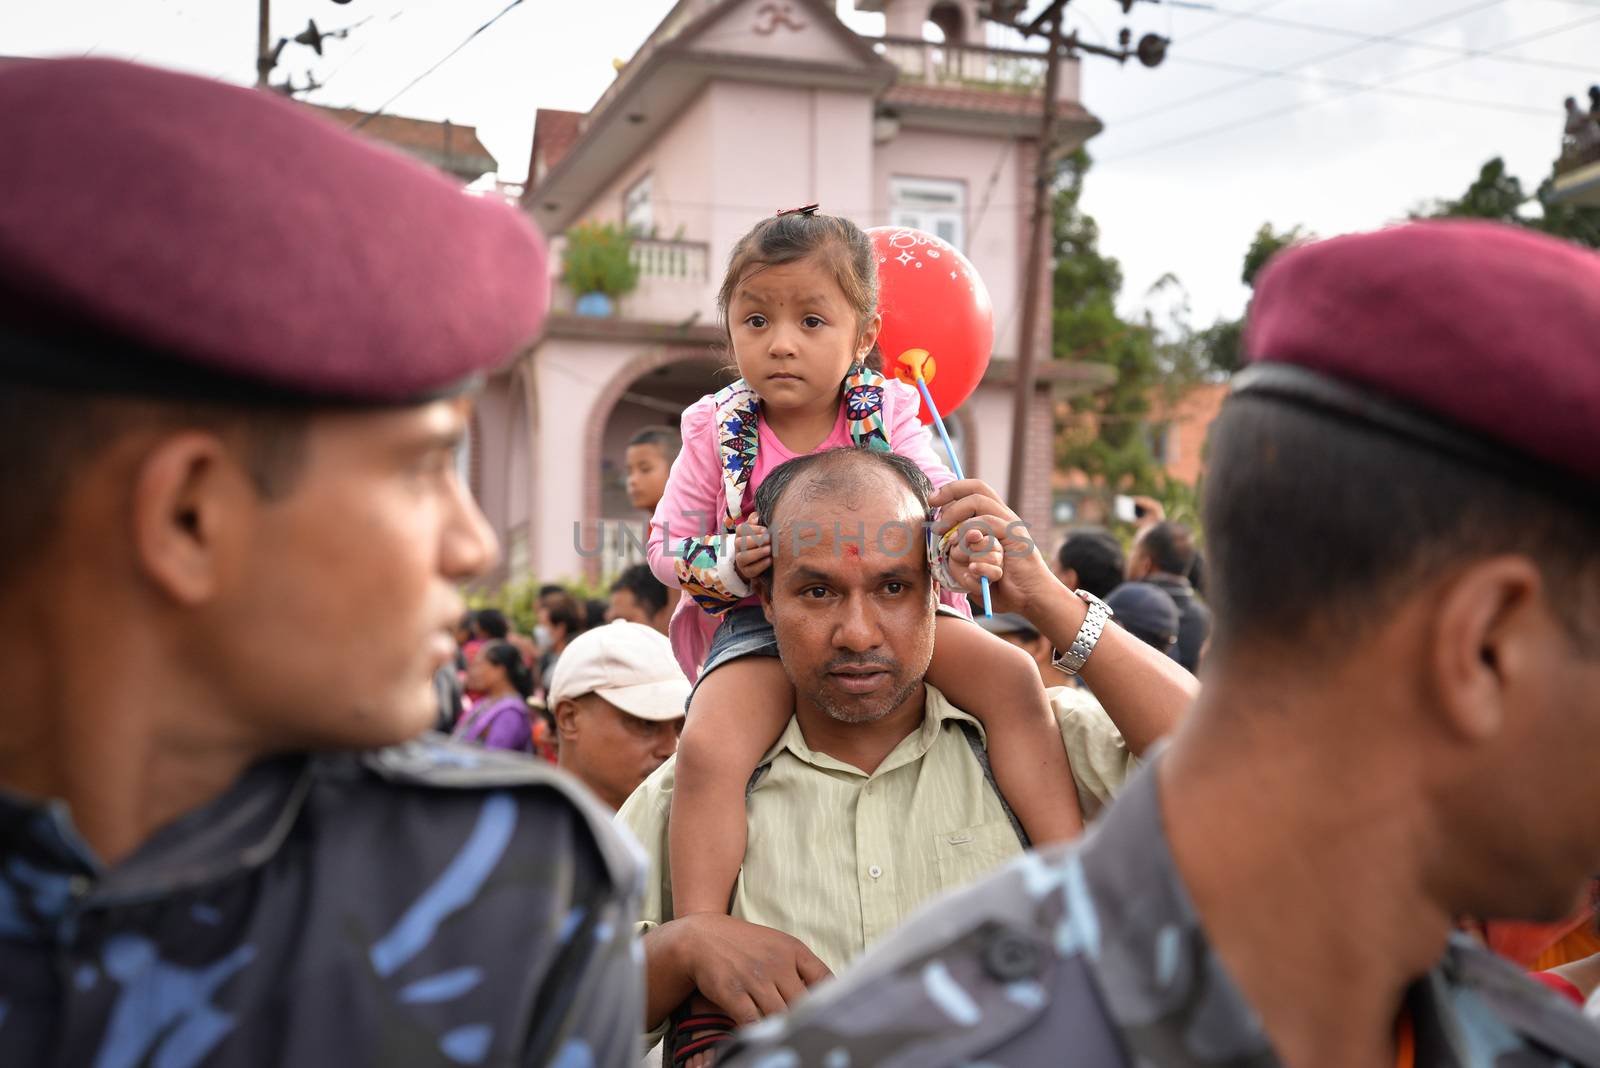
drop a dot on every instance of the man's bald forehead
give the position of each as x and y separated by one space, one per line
849 480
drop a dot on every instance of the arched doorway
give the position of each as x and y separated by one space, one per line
652 391
518 491
949 21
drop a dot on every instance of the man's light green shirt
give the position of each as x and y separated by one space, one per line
838 858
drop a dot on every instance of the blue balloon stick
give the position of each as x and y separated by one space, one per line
955 465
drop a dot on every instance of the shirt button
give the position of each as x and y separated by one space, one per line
875 871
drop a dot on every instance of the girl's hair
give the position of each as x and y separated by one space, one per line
504 655
844 248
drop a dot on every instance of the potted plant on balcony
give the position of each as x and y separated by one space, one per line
598 266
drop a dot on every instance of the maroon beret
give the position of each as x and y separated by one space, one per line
159 231
1478 337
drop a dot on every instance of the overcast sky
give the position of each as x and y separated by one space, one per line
1186 172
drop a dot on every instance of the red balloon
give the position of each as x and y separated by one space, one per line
936 315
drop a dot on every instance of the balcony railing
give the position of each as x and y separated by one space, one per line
674 282
962 66
670 259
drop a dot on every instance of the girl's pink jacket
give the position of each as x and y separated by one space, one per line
692 505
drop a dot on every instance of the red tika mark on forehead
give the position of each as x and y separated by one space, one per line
851 550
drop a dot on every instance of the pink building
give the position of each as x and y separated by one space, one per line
731 110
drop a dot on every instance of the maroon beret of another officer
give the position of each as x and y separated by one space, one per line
238 349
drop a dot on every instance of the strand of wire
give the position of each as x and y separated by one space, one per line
1370 87
403 90
1125 121
1394 39
988 190
1227 19
1250 120
367 40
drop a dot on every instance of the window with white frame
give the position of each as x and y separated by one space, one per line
638 215
936 205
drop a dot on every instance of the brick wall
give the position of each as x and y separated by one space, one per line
1188 424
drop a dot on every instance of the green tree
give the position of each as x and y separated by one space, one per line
1497 194
1494 194
1267 243
1220 346
1105 434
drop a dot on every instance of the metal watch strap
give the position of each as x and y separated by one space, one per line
1094 622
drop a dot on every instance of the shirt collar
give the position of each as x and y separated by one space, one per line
240 829
1149 952
1163 983
1173 584
936 712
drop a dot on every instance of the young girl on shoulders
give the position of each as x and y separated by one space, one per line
799 304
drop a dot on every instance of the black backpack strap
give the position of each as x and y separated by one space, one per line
755 777
975 741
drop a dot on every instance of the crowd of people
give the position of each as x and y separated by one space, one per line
500 689
811 812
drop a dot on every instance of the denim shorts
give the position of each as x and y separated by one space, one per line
742 632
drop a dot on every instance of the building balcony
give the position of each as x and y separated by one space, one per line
976 67
1574 158
674 284
1577 179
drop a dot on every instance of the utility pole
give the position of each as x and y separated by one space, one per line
264 59
1150 52
1039 231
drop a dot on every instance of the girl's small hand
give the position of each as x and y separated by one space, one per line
752 549
976 555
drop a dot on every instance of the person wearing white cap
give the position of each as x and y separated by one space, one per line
618 697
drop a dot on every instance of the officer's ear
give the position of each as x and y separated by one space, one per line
190 497
566 713
1491 631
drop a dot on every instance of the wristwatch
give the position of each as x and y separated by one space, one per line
1071 662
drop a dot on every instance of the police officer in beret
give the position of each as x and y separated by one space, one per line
236 347
1398 726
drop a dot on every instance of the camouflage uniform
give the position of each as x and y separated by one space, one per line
423 905
1093 957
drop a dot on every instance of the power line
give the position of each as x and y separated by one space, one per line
1346 50
988 190
1359 89
1395 39
1369 87
1228 18
367 39
441 62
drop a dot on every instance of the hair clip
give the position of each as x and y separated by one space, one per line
809 211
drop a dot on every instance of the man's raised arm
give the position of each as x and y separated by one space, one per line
1143 690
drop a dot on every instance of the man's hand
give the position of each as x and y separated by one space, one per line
1020 576
1151 512
752 549
749 970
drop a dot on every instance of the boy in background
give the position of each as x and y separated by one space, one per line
649 457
